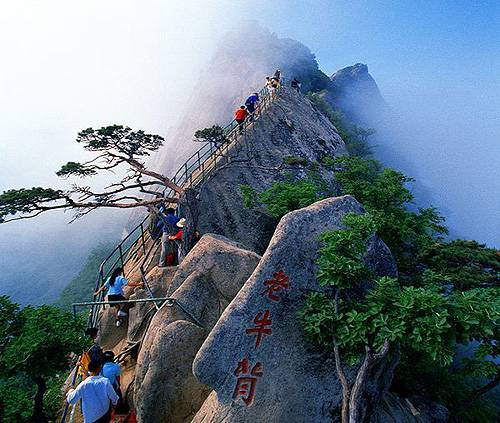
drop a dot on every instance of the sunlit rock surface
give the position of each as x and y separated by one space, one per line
256 358
290 127
206 281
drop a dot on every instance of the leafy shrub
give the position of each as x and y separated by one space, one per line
285 196
355 137
44 337
295 161
462 274
425 320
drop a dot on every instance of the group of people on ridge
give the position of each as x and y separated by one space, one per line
100 388
251 103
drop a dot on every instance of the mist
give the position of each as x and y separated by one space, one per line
72 65
446 135
436 64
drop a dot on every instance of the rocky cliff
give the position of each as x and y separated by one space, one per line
239 67
355 92
292 127
230 348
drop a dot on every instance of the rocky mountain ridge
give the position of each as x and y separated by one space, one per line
206 362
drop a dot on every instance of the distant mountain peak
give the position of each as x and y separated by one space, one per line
355 92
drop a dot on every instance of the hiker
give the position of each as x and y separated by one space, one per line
250 104
96 394
114 285
277 75
111 371
177 238
269 85
167 222
295 84
240 115
94 353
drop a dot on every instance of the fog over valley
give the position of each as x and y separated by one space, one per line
72 65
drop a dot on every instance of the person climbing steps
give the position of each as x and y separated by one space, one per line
240 115
114 285
96 394
251 103
167 221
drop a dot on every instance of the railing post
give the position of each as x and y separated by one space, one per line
121 254
143 241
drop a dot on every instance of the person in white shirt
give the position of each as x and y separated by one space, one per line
96 393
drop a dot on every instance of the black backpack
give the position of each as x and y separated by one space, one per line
154 229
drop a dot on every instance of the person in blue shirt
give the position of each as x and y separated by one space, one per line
168 222
251 103
114 285
111 371
96 394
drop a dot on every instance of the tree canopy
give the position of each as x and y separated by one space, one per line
36 344
117 149
427 319
213 135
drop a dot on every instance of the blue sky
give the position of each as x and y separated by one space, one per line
438 66
69 65
393 37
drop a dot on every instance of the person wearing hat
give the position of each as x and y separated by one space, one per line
177 238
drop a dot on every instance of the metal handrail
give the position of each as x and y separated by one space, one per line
209 153
184 178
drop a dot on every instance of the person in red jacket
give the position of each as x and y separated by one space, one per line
240 115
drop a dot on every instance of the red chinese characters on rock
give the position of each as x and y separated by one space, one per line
246 383
279 282
262 320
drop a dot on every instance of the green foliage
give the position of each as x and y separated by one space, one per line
36 345
83 284
340 261
15 400
11 322
427 318
75 168
53 397
467 264
121 139
25 200
214 135
418 374
41 348
423 318
295 161
384 195
249 196
285 196
354 136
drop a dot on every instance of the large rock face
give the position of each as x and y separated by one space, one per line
393 409
256 358
206 281
291 127
355 92
230 77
